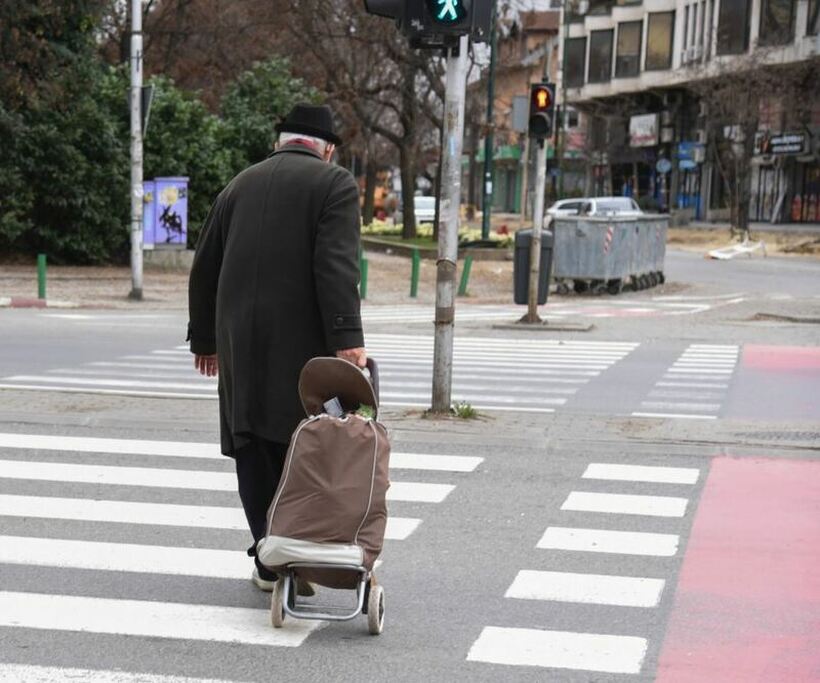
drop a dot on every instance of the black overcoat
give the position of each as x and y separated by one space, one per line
274 283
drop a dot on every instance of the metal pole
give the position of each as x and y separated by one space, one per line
41 276
487 190
525 179
537 225
448 230
136 150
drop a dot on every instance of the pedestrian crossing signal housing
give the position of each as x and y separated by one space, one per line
542 105
433 24
449 13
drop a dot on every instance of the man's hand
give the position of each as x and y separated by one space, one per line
207 365
356 356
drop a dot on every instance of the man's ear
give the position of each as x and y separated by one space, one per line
329 150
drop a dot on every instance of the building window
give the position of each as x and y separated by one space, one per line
575 61
813 26
686 27
777 22
600 56
733 27
703 22
660 38
628 55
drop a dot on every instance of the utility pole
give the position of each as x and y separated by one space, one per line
450 191
136 150
537 227
487 190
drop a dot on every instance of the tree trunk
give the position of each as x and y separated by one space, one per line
369 190
408 189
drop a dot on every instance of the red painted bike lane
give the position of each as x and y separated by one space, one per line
747 605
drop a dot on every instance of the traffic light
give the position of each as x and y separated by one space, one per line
542 104
436 23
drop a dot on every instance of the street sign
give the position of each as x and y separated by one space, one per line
663 165
520 113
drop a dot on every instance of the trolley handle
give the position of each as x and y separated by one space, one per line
373 369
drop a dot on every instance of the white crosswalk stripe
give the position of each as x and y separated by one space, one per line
89 502
522 645
490 373
700 366
18 673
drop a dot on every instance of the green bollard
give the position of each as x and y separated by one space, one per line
41 276
363 281
465 275
414 273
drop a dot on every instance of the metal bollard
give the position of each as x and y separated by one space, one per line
41 276
363 280
414 273
465 275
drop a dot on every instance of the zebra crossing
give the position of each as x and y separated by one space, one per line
168 489
492 373
695 386
578 650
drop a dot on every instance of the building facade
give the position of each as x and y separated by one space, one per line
647 77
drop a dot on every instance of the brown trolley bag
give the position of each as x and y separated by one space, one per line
330 506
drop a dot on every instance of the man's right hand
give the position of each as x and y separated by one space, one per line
357 356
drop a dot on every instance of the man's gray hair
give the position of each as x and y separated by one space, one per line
321 144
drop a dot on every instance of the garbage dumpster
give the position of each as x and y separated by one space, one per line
171 225
521 266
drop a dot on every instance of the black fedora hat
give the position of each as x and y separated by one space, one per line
310 119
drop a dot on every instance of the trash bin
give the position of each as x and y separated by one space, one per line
521 266
171 222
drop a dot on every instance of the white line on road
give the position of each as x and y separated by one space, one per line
700 370
680 405
661 475
137 384
17 673
559 650
460 394
517 409
696 395
598 589
625 504
694 385
416 492
149 619
606 541
109 392
189 449
676 416
159 514
125 557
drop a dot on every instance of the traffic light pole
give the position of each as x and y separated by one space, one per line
450 199
487 186
537 227
136 150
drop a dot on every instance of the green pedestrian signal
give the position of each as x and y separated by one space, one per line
447 11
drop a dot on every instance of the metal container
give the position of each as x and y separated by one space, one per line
521 266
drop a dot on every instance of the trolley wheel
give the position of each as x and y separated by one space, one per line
375 610
580 286
661 277
614 287
277 607
653 279
563 288
643 282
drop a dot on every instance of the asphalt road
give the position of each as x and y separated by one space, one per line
555 543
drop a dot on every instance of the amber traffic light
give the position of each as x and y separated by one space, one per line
542 102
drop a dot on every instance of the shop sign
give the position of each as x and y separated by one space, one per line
781 144
643 130
687 164
690 151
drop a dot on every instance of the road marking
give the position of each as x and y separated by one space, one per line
607 541
662 475
110 382
676 416
597 589
680 405
467 385
16 673
188 449
477 406
149 619
623 504
107 392
157 514
700 370
694 385
416 492
462 376
125 557
677 393
458 395
559 650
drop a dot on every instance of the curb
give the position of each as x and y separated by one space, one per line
25 302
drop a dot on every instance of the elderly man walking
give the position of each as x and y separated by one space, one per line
274 283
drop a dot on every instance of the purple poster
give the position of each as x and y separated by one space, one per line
171 224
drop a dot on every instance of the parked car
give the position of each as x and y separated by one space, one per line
566 207
610 206
425 209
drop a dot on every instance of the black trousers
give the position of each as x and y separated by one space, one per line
258 470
